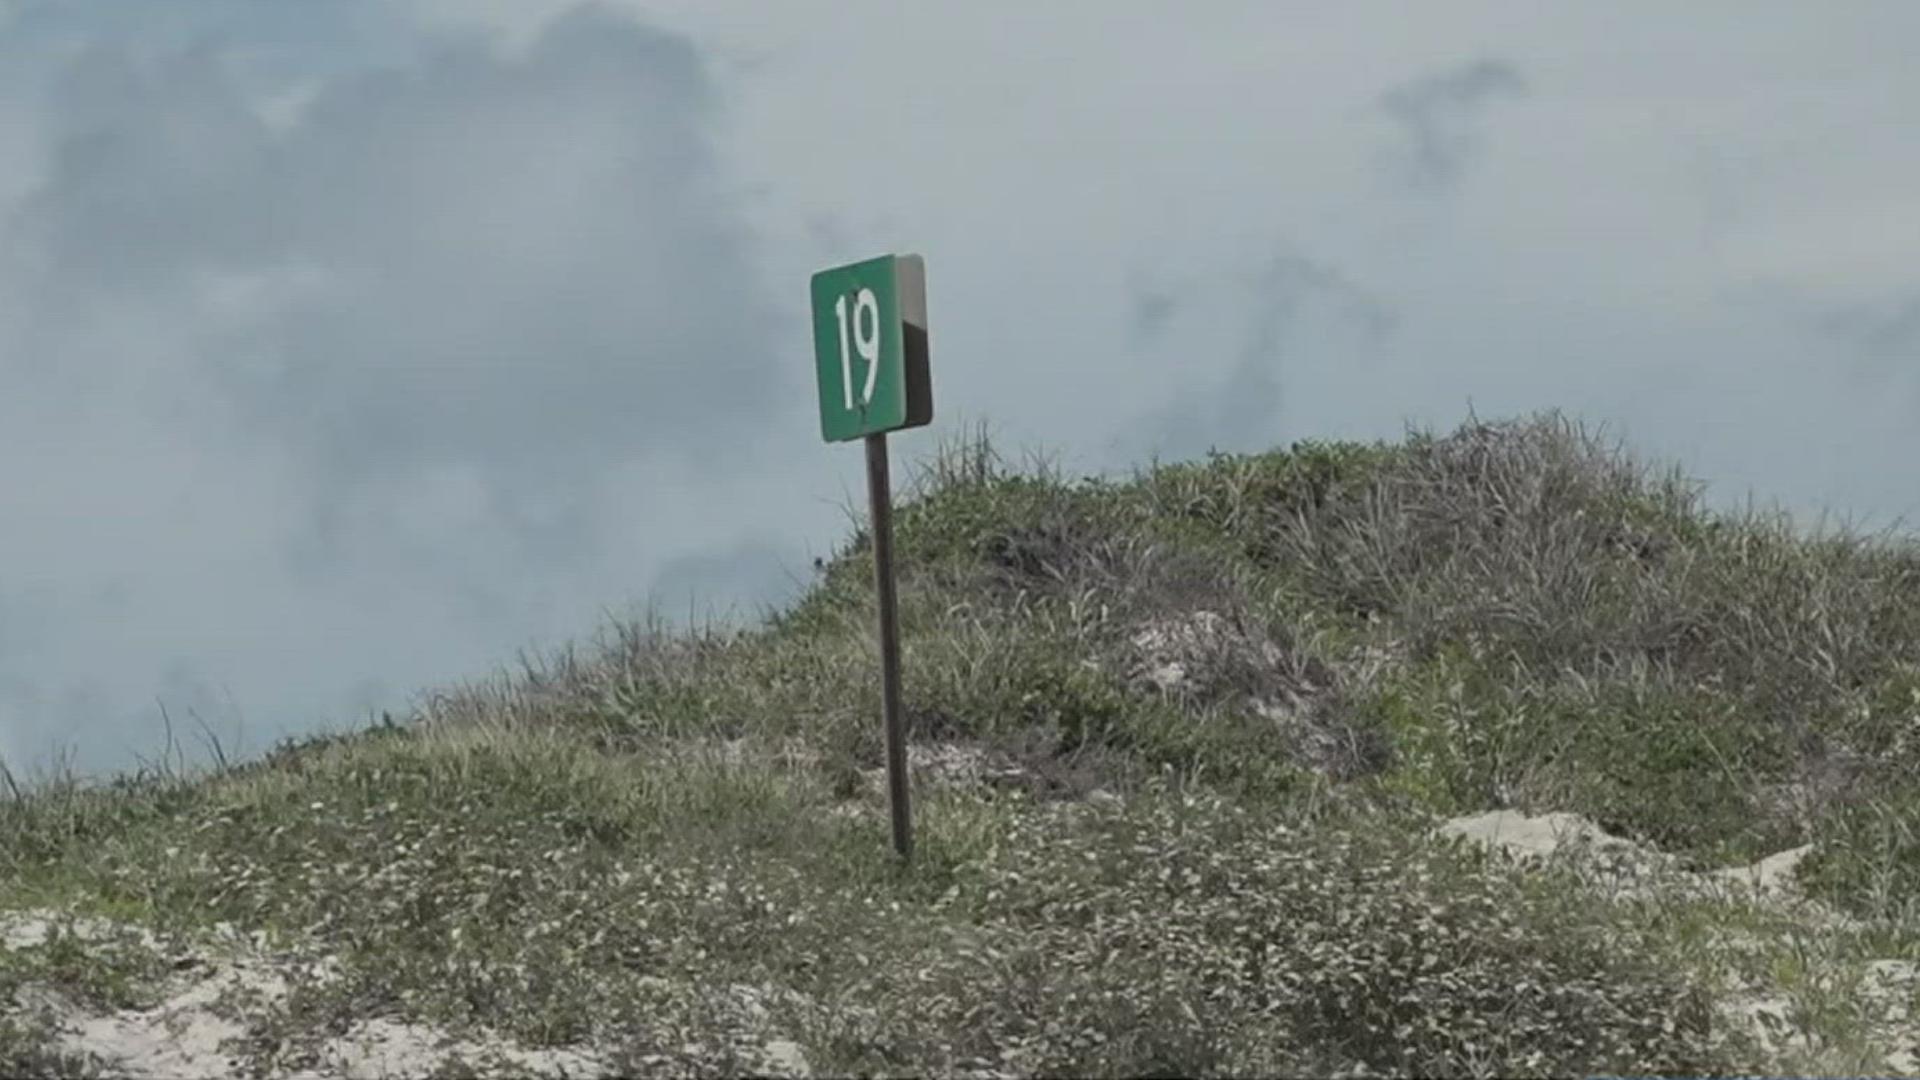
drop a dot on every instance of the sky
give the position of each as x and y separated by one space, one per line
361 348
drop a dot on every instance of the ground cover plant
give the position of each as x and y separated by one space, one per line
1182 744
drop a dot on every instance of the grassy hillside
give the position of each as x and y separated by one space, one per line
1181 745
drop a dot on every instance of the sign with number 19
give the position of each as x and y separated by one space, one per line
870 352
870 347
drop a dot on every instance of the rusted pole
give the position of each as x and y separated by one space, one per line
880 494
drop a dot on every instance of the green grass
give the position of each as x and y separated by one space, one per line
1220 706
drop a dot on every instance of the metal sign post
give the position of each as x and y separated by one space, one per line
880 498
870 353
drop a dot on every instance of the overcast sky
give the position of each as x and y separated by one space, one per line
352 348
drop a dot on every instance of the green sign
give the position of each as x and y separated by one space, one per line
870 347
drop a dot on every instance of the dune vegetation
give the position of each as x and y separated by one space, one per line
1186 746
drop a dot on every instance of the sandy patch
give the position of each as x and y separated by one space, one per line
1168 648
952 765
192 1031
1617 866
1887 988
1527 836
182 1036
1771 876
391 1048
29 929
1886 993
186 1035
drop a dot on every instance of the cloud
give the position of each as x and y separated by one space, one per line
1150 308
519 266
1437 112
1885 336
760 567
1297 307
1873 344
308 406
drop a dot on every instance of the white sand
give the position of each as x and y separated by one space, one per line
1889 985
182 1036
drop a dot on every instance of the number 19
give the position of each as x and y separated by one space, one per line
866 341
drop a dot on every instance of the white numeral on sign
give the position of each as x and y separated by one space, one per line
866 341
